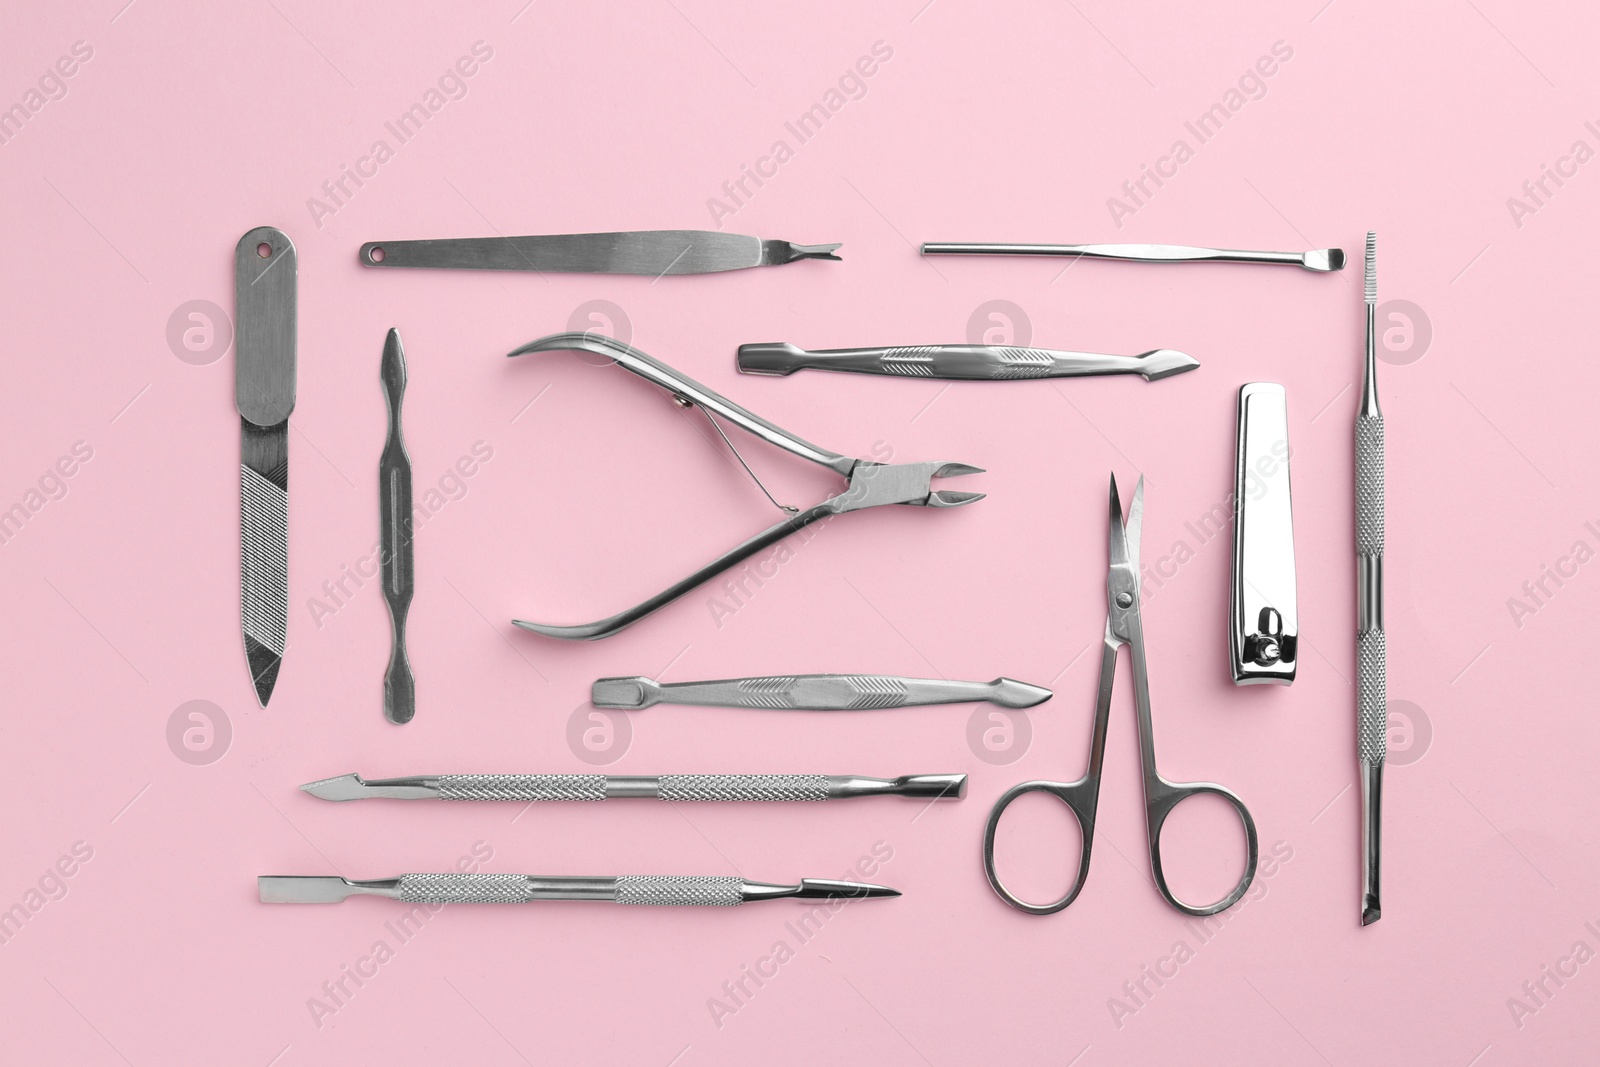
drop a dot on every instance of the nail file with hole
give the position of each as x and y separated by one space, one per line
648 252
265 267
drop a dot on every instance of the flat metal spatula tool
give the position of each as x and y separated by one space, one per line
394 506
661 890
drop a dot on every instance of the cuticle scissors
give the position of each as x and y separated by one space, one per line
1124 626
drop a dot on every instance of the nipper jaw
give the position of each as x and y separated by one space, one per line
870 484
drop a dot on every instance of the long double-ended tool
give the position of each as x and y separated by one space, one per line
870 484
264 312
397 563
962 363
661 890
813 692
649 252
1318 259
1372 655
671 787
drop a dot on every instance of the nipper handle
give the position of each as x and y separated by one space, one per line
654 371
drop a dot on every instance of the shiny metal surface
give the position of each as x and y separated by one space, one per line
813 692
484 888
961 362
1264 627
265 268
1124 626
649 252
1372 658
396 562
1318 259
870 484
524 788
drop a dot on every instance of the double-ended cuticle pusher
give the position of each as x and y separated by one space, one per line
661 890
814 692
649 252
686 787
1318 259
961 363
1372 650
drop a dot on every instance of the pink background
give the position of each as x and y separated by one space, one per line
193 123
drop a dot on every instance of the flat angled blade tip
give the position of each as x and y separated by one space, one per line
301 889
342 787
1165 362
624 693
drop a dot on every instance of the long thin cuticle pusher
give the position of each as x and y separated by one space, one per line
660 890
670 787
1372 656
814 692
1318 259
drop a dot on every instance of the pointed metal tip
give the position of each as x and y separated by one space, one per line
1370 916
829 889
264 665
343 787
956 470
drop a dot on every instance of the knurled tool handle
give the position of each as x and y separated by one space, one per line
658 890
685 787
1371 655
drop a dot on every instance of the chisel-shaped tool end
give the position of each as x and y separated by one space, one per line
264 664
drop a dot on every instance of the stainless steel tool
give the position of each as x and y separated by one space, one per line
671 787
1372 656
665 890
1124 626
870 484
398 566
1264 620
814 692
650 252
264 274
1319 259
976 363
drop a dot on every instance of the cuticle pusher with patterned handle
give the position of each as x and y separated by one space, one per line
814 692
660 890
1372 657
265 266
670 787
961 363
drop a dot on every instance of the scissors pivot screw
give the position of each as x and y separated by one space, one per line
1124 600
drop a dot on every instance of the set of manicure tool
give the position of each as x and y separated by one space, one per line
1263 617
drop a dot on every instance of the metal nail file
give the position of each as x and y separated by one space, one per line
1372 652
649 252
527 788
1264 627
394 505
1318 259
662 890
265 268
975 363
814 692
